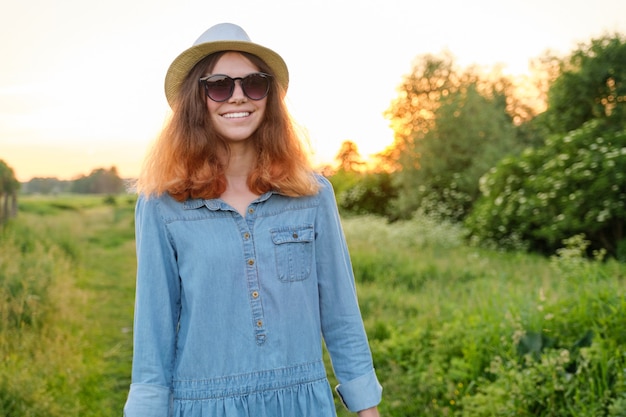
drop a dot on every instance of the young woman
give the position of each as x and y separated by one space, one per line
242 264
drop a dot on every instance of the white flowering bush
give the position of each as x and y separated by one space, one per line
574 184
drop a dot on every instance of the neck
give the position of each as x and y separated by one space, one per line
238 166
240 162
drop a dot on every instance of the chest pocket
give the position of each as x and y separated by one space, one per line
293 247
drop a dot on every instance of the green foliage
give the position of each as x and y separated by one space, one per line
361 192
451 126
482 333
573 366
545 387
9 187
25 275
100 181
369 193
344 180
39 185
66 285
8 183
374 262
591 86
575 184
472 133
412 113
35 346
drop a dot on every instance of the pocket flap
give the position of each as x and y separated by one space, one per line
292 234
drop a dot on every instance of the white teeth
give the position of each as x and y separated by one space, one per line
236 115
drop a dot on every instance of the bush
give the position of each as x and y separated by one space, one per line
574 184
527 336
570 362
363 193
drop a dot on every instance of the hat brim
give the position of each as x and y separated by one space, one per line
184 62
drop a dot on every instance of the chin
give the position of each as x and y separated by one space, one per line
241 137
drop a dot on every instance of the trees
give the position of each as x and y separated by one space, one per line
450 126
99 181
348 158
412 114
46 185
472 133
359 191
591 86
575 184
9 187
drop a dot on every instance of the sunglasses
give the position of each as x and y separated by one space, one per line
220 87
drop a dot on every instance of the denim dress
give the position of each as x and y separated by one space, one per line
231 311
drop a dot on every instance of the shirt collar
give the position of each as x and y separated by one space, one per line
217 203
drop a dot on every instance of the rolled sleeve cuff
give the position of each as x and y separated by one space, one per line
361 393
147 400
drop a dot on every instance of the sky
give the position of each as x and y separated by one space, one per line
81 81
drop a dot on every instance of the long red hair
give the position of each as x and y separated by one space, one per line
184 159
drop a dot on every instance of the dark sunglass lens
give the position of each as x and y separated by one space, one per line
219 88
256 86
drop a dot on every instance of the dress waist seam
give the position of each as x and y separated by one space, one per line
250 383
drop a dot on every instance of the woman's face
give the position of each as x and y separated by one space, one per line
237 118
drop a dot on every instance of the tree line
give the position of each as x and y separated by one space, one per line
99 181
523 164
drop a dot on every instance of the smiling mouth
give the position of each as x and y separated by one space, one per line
236 115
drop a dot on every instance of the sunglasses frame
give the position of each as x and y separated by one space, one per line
204 81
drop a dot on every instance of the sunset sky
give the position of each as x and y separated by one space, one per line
81 81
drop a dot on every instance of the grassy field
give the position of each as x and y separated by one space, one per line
67 275
455 330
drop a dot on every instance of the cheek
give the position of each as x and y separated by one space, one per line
213 110
211 106
262 109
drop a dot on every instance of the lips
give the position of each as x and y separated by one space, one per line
236 115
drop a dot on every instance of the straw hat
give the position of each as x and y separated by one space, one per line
221 37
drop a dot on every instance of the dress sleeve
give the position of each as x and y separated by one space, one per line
157 307
342 325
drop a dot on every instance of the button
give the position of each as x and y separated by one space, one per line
250 261
295 235
259 323
255 294
246 235
250 210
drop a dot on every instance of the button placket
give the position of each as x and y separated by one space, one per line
252 276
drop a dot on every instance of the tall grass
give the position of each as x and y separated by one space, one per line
468 332
37 377
53 309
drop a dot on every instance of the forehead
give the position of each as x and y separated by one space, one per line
234 64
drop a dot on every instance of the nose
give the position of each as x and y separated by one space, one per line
238 95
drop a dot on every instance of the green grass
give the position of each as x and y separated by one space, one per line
464 331
72 262
454 330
